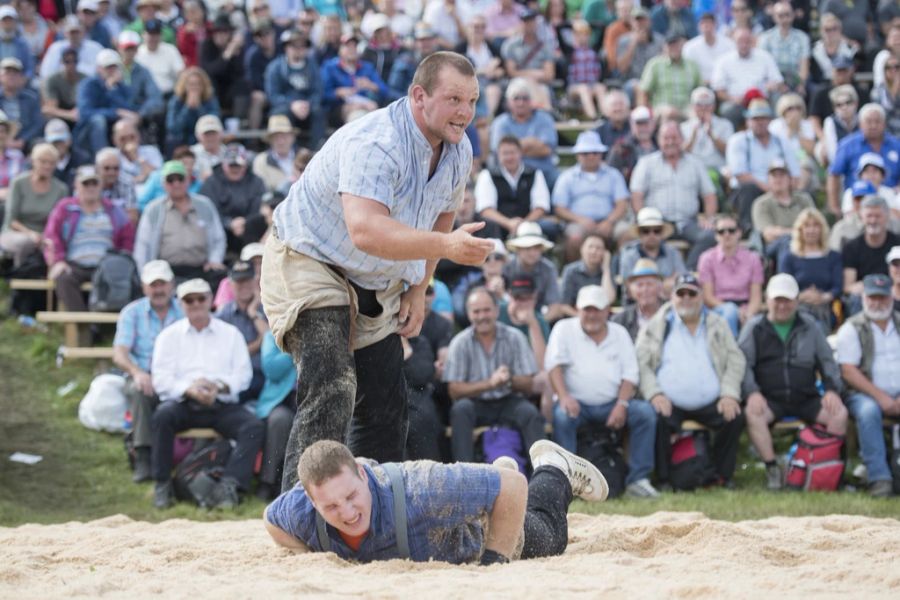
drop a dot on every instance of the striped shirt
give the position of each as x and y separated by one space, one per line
787 51
138 327
384 157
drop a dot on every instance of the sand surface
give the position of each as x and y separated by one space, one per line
666 555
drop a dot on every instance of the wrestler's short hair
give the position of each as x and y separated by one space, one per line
430 68
323 460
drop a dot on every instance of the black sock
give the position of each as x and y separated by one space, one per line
770 463
490 557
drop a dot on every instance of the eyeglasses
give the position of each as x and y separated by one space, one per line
175 179
891 67
895 263
193 299
113 168
843 104
496 256
728 230
783 15
521 98
90 183
686 293
649 230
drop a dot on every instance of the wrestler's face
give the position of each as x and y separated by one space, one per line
344 501
449 109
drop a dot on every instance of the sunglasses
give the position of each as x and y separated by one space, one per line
891 67
895 263
193 299
175 179
90 183
649 230
685 292
831 29
728 230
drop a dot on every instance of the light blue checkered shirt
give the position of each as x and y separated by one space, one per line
385 157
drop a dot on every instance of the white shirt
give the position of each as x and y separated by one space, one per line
441 22
878 67
885 192
165 65
736 75
592 372
885 374
486 192
704 55
87 58
182 355
704 148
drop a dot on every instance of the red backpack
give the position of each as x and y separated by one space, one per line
817 463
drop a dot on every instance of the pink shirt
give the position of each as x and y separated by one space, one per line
731 277
501 21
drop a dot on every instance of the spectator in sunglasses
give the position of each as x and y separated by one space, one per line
651 232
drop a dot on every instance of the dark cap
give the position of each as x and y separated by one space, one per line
877 284
675 34
687 280
842 62
521 284
242 270
235 154
262 26
153 26
222 23
349 37
528 14
289 36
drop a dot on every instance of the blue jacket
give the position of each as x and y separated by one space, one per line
255 64
18 48
146 94
100 34
181 119
30 117
281 91
281 376
334 77
94 98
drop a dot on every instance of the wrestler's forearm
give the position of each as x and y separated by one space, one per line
443 224
373 231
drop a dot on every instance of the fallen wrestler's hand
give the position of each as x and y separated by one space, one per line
464 248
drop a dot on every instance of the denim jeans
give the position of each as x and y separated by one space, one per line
641 423
867 414
732 314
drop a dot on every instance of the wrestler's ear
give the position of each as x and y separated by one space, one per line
362 473
417 94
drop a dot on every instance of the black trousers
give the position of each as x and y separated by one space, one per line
727 435
426 432
358 398
742 204
546 527
513 411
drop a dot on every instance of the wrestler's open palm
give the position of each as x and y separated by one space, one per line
466 249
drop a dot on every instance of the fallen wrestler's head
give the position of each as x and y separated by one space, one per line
337 485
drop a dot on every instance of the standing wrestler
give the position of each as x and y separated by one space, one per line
353 248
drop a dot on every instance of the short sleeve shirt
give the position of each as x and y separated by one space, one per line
138 327
590 194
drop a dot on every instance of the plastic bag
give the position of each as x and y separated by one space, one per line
103 407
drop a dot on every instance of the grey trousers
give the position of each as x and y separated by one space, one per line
142 407
278 428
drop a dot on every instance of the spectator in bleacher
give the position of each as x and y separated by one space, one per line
644 287
444 18
153 187
651 232
328 44
146 12
526 55
59 91
257 58
820 105
893 261
401 17
116 185
590 197
887 94
871 137
593 268
161 59
209 149
594 373
382 48
583 75
611 34
635 49
669 78
200 365
276 407
829 49
705 133
870 169
351 87
56 132
236 192
169 13
293 86
840 123
691 368
103 100
138 160
87 14
706 47
20 103
140 322
490 276
676 183
818 270
851 225
192 32
639 142
503 19
868 350
275 166
110 19
193 97
534 128
731 275
891 49
12 43
143 80
519 309
748 155
740 70
489 387
29 201
616 109
789 47
488 66
775 212
785 350
529 245
32 27
183 229
866 253
793 127
673 15
88 50
221 56
79 232
12 161
511 192
405 65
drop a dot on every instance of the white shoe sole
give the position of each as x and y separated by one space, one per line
506 462
599 487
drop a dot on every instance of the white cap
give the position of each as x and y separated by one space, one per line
128 38
7 11
108 58
592 295
499 247
207 123
91 5
193 286
783 286
641 113
893 255
251 250
156 270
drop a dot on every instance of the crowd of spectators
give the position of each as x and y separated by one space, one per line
734 196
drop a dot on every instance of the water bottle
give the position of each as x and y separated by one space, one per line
790 455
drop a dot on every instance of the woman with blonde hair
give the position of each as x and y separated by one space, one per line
193 97
818 270
793 127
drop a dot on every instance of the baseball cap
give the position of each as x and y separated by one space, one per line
499 247
208 123
687 280
153 26
108 58
528 14
8 12
893 255
288 36
129 39
193 286
156 270
639 12
783 286
777 164
349 37
703 95
870 159
862 188
759 108
86 173
56 130
173 167
641 114
377 21
592 295
235 154
11 62
73 24
521 284
252 250
91 5
877 284
644 267
424 31
242 270
842 62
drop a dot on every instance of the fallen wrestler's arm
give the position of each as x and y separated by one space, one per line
283 538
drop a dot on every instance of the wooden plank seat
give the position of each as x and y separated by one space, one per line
202 433
73 320
789 425
45 285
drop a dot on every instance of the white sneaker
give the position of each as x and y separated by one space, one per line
642 488
587 481
506 462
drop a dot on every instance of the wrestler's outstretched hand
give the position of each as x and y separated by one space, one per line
466 249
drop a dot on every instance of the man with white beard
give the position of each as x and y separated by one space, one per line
868 351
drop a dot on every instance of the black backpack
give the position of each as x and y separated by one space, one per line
197 475
602 447
115 283
893 451
689 465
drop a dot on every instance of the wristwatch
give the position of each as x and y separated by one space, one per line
622 402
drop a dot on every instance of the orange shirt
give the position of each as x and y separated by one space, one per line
354 541
611 37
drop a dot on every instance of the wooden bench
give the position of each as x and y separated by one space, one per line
792 425
71 321
42 285
200 433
